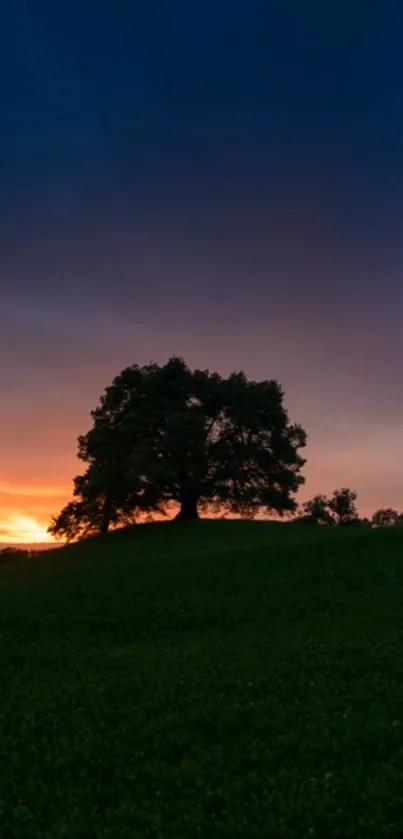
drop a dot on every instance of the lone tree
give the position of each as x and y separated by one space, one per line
166 434
342 505
385 517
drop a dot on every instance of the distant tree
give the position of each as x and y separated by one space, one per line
342 506
169 434
339 509
317 510
385 517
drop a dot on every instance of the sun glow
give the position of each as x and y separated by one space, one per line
21 528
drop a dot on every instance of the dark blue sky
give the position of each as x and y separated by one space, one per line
223 180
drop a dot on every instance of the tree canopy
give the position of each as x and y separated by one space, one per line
386 517
339 509
342 506
317 510
163 434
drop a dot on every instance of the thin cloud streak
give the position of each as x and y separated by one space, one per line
32 491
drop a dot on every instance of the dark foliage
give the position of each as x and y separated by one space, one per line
168 434
385 517
340 509
317 510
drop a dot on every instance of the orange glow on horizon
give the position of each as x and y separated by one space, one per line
20 529
27 506
31 491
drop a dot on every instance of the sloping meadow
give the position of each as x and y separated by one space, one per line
212 679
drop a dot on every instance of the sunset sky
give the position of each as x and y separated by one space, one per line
219 180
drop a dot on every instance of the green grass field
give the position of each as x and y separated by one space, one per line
218 679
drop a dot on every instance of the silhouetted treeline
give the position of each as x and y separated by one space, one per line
167 435
341 509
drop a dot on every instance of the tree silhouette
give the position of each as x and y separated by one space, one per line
342 505
339 509
166 434
385 517
317 510
107 494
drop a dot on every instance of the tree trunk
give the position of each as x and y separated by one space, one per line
188 509
106 516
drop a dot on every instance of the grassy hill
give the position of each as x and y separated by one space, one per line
218 679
